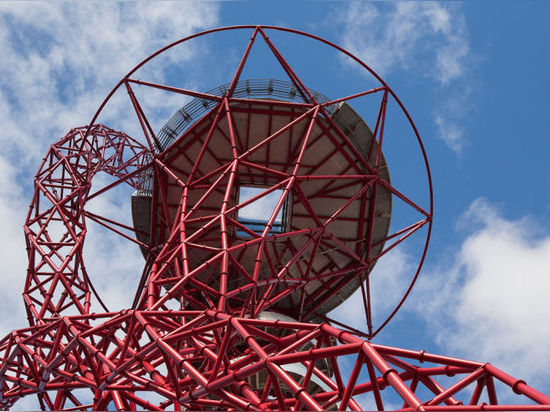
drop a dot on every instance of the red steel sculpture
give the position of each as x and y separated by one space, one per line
230 312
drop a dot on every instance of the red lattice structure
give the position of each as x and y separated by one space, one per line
57 282
230 313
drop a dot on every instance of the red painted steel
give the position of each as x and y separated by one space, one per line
201 335
57 282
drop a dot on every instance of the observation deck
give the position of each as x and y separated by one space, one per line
262 109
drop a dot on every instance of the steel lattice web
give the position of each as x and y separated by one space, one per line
227 315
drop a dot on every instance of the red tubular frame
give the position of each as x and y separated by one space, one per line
57 282
218 350
46 359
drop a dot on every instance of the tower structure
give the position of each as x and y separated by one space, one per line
232 308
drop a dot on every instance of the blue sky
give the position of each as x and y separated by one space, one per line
473 75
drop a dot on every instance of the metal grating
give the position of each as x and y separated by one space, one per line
251 88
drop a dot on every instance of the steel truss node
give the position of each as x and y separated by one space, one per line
209 359
228 315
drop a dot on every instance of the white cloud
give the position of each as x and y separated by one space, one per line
403 35
429 38
487 300
490 298
12 253
450 131
262 208
388 282
59 60
114 264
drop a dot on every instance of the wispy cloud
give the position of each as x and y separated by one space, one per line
388 282
12 253
427 38
59 60
405 35
450 131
